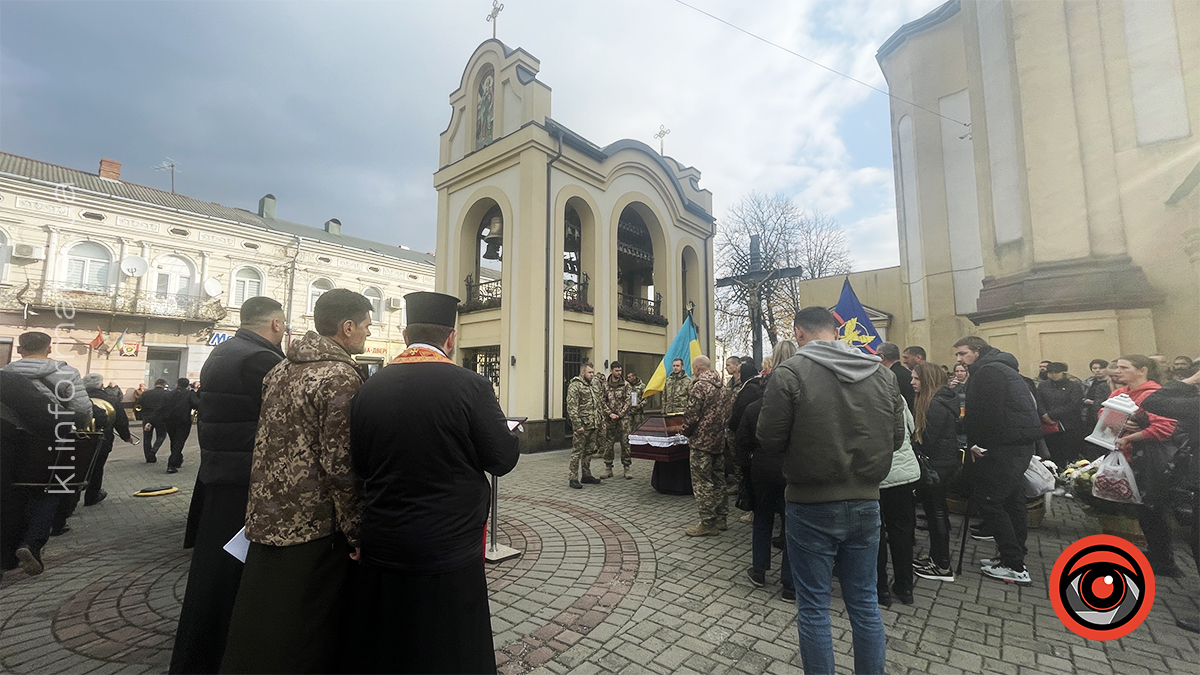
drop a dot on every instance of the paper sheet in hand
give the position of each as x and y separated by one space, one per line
238 546
515 423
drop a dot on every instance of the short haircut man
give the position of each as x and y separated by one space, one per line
1002 425
302 516
337 306
674 361
258 310
230 403
889 352
832 418
33 342
915 351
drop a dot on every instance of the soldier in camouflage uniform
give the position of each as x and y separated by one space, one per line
704 425
584 410
637 413
305 504
616 409
675 391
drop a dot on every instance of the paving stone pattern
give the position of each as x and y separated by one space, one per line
607 583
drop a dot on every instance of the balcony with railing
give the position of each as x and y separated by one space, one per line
641 310
481 295
122 300
575 295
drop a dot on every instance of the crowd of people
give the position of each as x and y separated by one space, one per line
362 499
359 500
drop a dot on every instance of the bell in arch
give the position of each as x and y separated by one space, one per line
494 238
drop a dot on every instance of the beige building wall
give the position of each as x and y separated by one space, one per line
531 173
1062 222
47 212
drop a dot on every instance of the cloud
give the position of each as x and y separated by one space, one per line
336 107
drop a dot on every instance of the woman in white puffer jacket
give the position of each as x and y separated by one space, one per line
898 519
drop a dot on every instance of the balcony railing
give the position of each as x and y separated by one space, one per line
481 295
575 295
641 310
124 300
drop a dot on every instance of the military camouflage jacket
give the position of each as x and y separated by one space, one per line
640 389
709 403
616 398
675 394
583 405
302 486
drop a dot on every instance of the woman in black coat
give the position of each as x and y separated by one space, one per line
935 410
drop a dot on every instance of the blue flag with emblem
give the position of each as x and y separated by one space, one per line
854 327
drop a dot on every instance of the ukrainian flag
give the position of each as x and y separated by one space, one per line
686 346
854 327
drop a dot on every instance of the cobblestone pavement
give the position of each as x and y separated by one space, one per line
607 582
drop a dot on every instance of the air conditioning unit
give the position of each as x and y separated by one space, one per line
29 252
395 303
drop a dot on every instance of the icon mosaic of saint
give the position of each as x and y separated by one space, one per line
483 116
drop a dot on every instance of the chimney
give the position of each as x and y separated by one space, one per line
266 206
333 226
110 168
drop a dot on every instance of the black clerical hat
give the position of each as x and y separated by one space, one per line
435 308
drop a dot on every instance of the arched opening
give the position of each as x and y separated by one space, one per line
315 290
173 276
689 283
483 244
637 298
88 265
578 256
247 283
376 297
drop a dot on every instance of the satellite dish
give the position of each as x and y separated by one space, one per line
134 265
212 287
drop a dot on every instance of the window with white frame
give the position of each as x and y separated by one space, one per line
376 297
315 290
247 283
5 255
88 266
174 276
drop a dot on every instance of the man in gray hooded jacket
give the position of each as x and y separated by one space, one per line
835 417
57 381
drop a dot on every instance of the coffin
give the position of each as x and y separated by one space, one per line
659 439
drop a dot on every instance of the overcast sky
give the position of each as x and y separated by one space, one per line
336 107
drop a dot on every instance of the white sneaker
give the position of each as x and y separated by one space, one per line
1008 575
989 562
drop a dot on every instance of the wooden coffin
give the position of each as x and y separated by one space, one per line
671 448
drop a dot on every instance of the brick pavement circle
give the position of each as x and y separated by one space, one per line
604 589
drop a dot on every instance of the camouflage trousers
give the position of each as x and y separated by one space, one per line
708 484
618 430
583 448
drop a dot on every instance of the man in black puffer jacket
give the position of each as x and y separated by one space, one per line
1002 427
230 399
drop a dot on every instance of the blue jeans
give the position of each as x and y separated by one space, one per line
818 535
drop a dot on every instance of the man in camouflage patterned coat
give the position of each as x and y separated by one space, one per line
675 391
704 425
616 409
305 504
584 409
637 413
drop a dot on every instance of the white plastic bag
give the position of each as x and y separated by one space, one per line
1038 479
1114 480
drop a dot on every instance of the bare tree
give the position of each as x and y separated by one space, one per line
790 236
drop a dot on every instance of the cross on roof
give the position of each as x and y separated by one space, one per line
493 17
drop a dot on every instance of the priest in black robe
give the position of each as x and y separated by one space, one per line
423 431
